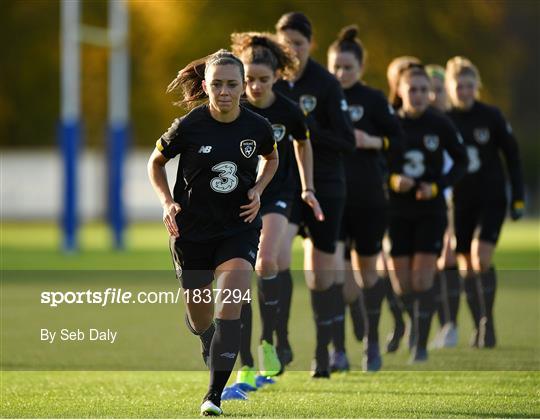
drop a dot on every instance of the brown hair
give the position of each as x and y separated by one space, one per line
347 41
460 66
411 70
188 82
393 71
263 48
296 21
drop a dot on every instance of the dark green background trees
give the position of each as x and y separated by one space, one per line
501 37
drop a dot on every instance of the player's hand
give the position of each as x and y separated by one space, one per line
401 183
365 141
251 209
518 210
310 199
426 191
170 210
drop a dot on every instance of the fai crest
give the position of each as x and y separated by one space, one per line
481 135
279 132
247 147
356 112
431 141
308 103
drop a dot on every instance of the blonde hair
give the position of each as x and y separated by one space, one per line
462 66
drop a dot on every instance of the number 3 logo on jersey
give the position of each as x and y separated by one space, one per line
227 180
247 147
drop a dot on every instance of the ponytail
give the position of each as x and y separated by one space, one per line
264 48
188 82
347 41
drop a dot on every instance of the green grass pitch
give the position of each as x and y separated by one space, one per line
461 382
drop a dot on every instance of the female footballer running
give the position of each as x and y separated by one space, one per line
214 223
321 98
417 205
480 202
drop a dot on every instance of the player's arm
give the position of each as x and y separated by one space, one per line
167 147
386 122
267 168
340 136
453 144
510 149
158 179
304 159
394 154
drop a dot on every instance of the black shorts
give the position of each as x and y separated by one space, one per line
279 205
410 234
323 234
195 262
486 218
363 229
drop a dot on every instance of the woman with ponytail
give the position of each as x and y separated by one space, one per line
480 202
321 98
213 214
265 61
417 206
378 136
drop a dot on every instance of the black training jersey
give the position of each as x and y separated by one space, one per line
486 133
371 112
288 124
321 98
218 164
426 139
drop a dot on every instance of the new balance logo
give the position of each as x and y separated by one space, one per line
252 254
205 149
281 204
228 355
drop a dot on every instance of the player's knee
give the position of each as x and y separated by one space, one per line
200 324
229 310
422 284
484 263
266 265
369 277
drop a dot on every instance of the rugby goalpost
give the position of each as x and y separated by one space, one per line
114 38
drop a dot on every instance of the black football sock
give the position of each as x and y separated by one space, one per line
489 287
408 304
439 296
205 337
246 320
357 310
223 353
268 289
373 297
453 287
338 321
322 305
472 292
424 307
285 296
394 301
